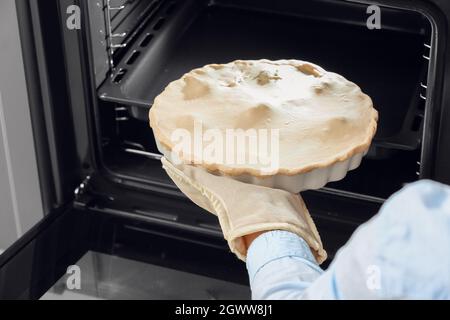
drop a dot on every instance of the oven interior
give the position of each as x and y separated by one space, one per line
138 47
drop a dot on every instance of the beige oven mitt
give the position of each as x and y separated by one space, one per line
244 209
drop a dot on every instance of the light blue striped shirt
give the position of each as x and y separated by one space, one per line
402 253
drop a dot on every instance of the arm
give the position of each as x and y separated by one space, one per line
280 266
248 239
400 253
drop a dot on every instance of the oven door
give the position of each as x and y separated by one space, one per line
79 254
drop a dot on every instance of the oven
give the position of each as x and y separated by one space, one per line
93 70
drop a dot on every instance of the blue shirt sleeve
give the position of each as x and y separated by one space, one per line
403 252
281 266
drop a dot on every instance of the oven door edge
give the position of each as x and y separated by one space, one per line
36 261
32 265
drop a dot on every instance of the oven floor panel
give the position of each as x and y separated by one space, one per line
106 277
219 35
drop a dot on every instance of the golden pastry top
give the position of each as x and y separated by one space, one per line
322 118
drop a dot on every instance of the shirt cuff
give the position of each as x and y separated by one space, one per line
275 245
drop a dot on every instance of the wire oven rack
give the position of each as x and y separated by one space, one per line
119 36
110 35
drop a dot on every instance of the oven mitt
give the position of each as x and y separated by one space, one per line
244 209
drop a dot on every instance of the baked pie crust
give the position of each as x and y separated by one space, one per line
322 118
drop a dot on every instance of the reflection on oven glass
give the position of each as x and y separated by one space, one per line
105 277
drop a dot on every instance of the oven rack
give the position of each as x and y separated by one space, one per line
415 118
423 94
116 38
178 40
110 35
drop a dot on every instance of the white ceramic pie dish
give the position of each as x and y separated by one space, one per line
312 180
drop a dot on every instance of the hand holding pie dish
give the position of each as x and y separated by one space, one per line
244 209
285 124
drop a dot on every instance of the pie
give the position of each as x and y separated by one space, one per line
320 118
